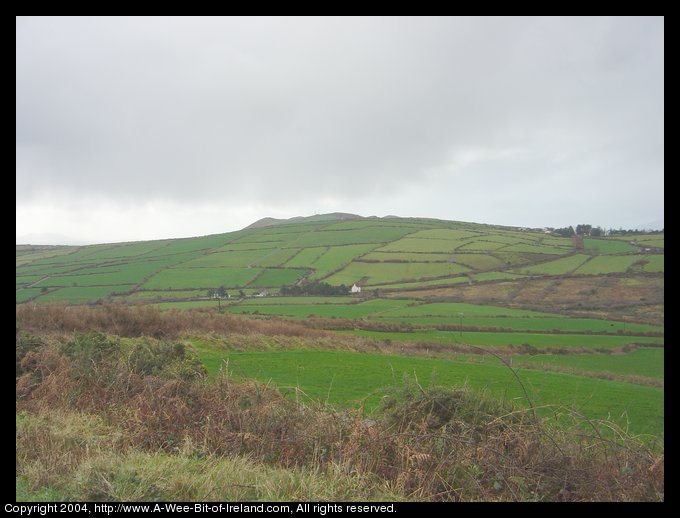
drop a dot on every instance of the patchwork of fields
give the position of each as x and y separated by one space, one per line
584 325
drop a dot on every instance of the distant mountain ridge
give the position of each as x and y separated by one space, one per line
332 216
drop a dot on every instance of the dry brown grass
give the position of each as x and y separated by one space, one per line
135 321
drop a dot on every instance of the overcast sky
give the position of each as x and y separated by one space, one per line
144 128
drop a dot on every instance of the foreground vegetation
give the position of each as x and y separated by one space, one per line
107 416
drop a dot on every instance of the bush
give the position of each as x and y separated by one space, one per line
25 343
166 359
91 349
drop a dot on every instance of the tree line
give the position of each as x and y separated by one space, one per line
584 229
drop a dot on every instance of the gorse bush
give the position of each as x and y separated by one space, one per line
91 349
163 358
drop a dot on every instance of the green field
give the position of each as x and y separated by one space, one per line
480 245
201 278
455 308
384 273
277 277
645 361
515 339
242 258
414 244
347 378
83 294
607 246
556 267
306 257
364 309
607 264
337 257
556 324
654 264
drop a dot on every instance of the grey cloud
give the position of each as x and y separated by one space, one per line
262 110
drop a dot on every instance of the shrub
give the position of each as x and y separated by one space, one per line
166 359
91 349
25 343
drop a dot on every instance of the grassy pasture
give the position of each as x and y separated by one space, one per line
238 247
607 264
607 246
415 257
224 259
183 278
276 277
131 249
482 245
515 339
458 279
560 266
531 323
373 234
75 255
446 234
454 308
25 294
28 254
350 379
295 301
49 270
306 257
123 273
654 264
192 244
276 257
336 257
478 261
360 310
83 294
413 244
27 279
467 278
652 242
538 249
392 272
645 361
153 294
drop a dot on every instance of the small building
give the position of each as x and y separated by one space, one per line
355 289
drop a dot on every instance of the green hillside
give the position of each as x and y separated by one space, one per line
439 289
390 254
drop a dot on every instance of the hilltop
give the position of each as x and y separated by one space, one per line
332 216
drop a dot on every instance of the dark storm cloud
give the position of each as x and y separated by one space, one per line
280 111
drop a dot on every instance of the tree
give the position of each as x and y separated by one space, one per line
583 229
219 294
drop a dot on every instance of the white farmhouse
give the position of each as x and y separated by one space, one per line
356 289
